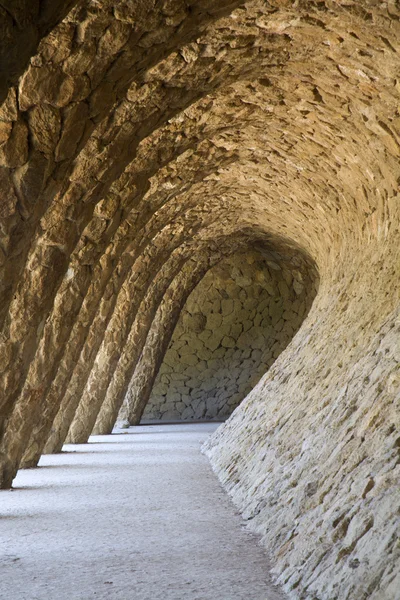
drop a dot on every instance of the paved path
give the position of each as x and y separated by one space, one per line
137 515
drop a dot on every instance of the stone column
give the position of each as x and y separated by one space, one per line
128 313
158 334
126 248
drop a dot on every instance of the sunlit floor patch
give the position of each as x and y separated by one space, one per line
137 515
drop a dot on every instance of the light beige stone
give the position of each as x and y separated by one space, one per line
144 135
223 344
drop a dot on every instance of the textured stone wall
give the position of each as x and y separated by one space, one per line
141 143
233 326
311 457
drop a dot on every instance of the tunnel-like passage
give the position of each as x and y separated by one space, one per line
233 326
141 145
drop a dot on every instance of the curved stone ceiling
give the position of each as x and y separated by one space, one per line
143 143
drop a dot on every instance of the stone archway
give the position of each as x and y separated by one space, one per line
233 326
139 145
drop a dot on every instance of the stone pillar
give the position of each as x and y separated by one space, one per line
125 317
102 285
158 334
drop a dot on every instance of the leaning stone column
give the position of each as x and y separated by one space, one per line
109 355
158 339
162 327
35 407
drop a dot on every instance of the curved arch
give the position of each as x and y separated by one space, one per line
234 325
283 119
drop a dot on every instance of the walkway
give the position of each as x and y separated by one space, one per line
138 515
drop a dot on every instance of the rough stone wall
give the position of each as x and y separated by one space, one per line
142 136
233 326
23 24
311 457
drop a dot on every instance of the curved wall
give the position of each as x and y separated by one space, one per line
233 326
144 143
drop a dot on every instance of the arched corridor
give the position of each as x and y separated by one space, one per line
234 325
145 146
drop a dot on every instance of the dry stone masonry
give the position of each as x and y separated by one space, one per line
233 326
156 159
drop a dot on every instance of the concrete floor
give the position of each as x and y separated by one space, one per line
138 515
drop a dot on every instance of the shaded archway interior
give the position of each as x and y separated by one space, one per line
234 325
143 144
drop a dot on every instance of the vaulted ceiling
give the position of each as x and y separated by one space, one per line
141 142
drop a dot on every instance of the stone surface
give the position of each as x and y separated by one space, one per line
135 138
227 336
189 540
